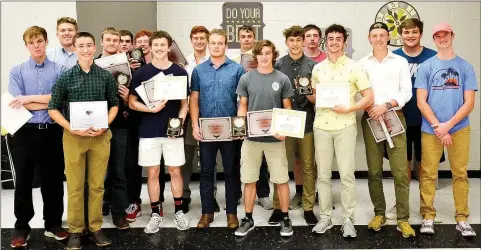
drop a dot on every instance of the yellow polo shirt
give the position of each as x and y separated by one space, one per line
345 70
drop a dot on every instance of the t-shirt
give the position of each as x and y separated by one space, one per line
411 110
319 58
264 91
446 81
152 125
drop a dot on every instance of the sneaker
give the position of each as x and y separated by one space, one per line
427 227
465 229
74 241
286 227
406 229
276 217
377 223
120 222
322 226
310 218
246 225
100 239
133 211
392 214
154 224
181 221
105 209
57 233
20 239
265 203
296 202
348 229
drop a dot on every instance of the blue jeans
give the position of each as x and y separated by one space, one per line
230 152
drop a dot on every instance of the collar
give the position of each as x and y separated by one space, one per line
62 49
290 60
191 57
92 67
226 62
389 55
339 60
33 64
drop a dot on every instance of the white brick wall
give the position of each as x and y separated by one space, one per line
178 19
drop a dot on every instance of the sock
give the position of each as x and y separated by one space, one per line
155 207
298 189
249 215
178 204
285 215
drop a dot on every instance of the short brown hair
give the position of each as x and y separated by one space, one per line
111 31
66 19
294 31
312 27
143 32
127 33
219 32
33 32
264 43
82 34
160 34
246 28
198 29
412 23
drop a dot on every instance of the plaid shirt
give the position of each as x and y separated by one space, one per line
75 85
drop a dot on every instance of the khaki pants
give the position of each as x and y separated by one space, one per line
306 155
92 153
397 161
341 143
458 155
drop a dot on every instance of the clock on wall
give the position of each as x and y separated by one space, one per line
393 14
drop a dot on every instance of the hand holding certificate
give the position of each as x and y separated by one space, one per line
330 95
388 126
288 122
86 115
13 118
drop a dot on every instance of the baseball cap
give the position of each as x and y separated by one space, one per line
379 25
442 27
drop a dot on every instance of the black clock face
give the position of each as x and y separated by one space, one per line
393 14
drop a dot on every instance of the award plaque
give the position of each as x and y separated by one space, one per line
176 56
259 123
174 128
239 126
215 129
122 79
304 87
138 55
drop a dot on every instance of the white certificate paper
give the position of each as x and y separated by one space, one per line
390 127
330 95
115 63
143 95
259 123
13 119
288 122
171 88
84 115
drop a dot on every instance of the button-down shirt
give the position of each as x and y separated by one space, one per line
76 85
61 56
30 78
294 69
192 63
344 70
217 88
237 58
390 79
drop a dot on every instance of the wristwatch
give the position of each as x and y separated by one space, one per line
388 105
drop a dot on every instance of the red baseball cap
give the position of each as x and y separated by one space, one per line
442 27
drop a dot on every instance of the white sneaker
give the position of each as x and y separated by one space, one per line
322 226
348 229
154 224
427 227
465 229
181 221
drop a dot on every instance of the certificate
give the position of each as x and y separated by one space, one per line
247 62
259 123
288 122
330 95
13 119
215 129
118 65
143 95
149 87
389 127
171 88
84 115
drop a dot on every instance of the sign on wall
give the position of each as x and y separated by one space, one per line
236 14
348 50
393 14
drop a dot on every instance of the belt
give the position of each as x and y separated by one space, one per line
41 125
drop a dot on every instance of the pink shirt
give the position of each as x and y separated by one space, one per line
320 57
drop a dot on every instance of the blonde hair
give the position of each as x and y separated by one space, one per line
33 32
111 31
219 32
65 19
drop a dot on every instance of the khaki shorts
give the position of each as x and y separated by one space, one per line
251 160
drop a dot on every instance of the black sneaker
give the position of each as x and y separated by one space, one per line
276 217
105 209
100 239
286 227
74 241
310 218
246 225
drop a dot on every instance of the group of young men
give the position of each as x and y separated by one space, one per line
432 93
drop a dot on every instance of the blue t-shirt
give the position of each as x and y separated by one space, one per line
411 110
446 81
152 125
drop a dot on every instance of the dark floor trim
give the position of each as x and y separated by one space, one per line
263 238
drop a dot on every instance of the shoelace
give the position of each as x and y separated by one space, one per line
287 222
131 208
324 223
465 226
348 224
244 221
428 224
